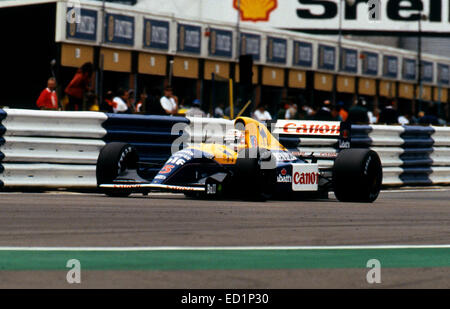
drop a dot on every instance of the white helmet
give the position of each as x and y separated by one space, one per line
235 139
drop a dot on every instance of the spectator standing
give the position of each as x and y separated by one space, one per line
324 113
120 105
107 105
169 102
141 103
284 106
78 86
261 114
308 112
292 112
195 110
359 113
342 112
388 114
130 102
428 119
154 103
48 99
335 114
218 111
372 118
403 119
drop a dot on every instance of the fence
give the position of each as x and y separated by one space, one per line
49 149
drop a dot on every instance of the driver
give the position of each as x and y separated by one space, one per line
235 139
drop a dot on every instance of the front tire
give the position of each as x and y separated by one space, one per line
113 160
357 175
254 182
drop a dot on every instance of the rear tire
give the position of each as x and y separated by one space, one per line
113 160
357 175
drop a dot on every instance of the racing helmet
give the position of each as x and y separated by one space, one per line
235 139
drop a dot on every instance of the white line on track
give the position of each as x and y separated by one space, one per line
357 247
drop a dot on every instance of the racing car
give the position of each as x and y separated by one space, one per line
251 164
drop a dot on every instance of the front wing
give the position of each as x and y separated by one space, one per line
154 187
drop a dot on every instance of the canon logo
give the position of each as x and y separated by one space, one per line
394 10
306 178
311 129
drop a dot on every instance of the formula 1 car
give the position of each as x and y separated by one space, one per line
251 164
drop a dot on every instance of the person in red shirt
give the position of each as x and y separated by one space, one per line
48 100
108 105
78 86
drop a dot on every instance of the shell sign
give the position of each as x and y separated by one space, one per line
255 10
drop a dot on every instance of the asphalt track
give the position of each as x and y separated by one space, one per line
270 238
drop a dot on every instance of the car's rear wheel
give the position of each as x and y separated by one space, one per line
113 160
357 175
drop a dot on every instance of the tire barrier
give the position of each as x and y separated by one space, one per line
49 149
52 149
411 155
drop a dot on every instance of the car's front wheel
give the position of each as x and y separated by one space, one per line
114 159
255 174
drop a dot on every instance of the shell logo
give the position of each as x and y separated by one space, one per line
255 10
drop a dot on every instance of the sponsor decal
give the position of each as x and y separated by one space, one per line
315 154
308 128
427 71
390 66
156 34
283 156
176 160
166 169
303 54
305 177
161 177
327 57
177 188
283 177
369 63
276 50
251 10
250 44
409 69
443 74
126 186
253 141
185 154
189 38
211 188
344 144
119 29
221 43
397 15
349 62
82 24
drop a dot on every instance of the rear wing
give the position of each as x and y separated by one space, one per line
310 138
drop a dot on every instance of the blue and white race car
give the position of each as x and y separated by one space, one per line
252 165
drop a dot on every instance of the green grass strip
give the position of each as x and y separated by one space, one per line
225 259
